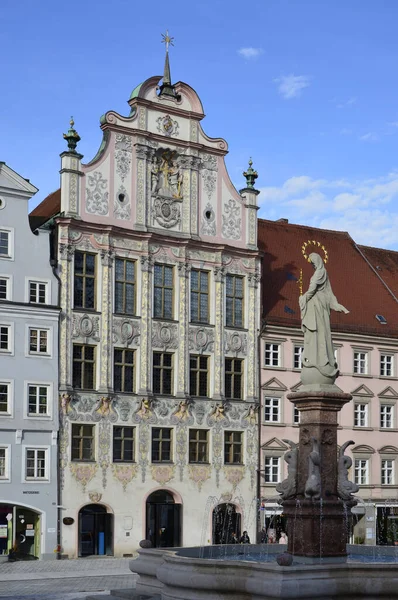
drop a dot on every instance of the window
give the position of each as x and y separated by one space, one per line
84 280
198 446
5 250
387 472
297 360
360 414
4 474
233 448
162 373
234 301
36 463
163 292
161 444
123 370
38 400
5 398
272 355
199 296
198 376
4 288
361 471
296 416
234 378
38 292
125 286
386 416
123 444
38 341
387 365
271 469
83 446
361 363
5 338
83 367
271 410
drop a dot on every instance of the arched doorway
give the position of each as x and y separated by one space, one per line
225 522
163 520
95 531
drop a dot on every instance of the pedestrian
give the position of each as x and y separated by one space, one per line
244 538
234 538
263 536
283 538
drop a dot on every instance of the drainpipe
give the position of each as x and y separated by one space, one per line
259 527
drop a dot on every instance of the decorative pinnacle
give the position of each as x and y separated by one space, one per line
251 176
167 40
167 89
72 137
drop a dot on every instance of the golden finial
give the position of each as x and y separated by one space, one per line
167 40
71 122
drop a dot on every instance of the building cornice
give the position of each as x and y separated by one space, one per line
352 338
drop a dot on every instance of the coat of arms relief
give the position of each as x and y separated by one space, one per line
166 188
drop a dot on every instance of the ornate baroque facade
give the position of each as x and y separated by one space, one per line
159 271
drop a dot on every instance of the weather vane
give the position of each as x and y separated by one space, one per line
167 40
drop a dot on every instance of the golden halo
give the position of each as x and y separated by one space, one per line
317 245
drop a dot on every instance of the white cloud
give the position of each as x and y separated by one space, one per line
345 131
369 137
350 102
291 86
250 52
367 209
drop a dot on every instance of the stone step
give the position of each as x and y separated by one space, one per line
127 594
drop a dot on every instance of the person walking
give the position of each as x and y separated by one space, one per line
244 538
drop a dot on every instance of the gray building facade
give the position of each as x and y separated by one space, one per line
28 377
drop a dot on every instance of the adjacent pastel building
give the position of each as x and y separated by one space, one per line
366 347
158 259
28 377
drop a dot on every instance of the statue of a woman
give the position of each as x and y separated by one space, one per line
318 361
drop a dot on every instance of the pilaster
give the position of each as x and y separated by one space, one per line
183 357
145 385
219 279
106 322
252 337
65 260
141 209
70 183
250 197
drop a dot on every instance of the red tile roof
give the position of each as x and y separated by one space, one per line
355 284
50 206
385 262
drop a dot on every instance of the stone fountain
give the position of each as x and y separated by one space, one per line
317 498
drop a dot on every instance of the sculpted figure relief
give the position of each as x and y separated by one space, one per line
319 365
313 483
287 488
345 488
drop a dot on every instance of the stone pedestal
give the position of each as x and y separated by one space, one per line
317 527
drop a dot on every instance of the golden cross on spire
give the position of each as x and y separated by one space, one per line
167 40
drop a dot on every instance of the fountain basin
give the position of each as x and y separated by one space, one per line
210 574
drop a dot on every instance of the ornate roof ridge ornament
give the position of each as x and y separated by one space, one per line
250 175
167 89
72 137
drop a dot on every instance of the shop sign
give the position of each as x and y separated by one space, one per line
68 521
3 531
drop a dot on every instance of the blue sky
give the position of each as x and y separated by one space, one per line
308 88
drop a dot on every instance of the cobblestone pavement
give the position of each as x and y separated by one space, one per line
63 579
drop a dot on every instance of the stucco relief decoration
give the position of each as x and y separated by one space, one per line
104 445
85 326
231 220
167 126
145 412
163 474
65 400
123 149
73 193
201 339
121 207
217 458
63 450
97 194
166 188
236 342
143 447
182 414
66 251
83 474
199 474
126 331
95 497
250 416
181 447
123 407
208 221
86 404
199 411
234 476
218 414
164 336
105 407
124 474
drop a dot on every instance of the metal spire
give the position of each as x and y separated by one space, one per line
167 89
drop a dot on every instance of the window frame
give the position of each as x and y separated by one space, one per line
162 369
39 330
232 373
10 249
122 439
9 351
196 444
358 459
356 368
84 276
38 281
200 293
366 406
298 356
34 479
385 355
49 399
271 351
274 402
81 437
8 279
160 441
229 447
124 365
235 322
163 287
7 462
83 361
125 283
391 407
10 398
296 413
197 371
274 477
382 468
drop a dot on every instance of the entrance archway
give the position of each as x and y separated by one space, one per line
163 520
225 522
95 531
20 531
